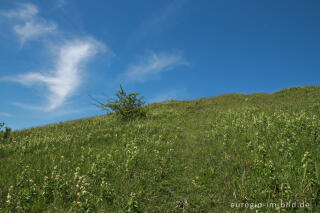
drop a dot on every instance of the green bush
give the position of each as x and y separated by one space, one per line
127 106
4 132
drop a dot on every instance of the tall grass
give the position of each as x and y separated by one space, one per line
224 154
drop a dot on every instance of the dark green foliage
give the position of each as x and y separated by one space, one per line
127 106
5 132
1 125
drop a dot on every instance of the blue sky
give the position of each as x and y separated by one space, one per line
54 54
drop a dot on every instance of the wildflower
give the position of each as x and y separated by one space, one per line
193 182
78 203
8 198
182 203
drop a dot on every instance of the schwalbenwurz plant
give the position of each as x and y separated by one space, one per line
127 106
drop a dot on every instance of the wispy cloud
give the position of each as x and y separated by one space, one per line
61 3
33 29
153 64
5 114
160 18
32 26
172 94
65 78
24 11
63 81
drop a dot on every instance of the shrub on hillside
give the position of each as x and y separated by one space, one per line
127 106
4 132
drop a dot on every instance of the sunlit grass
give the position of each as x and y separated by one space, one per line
192 156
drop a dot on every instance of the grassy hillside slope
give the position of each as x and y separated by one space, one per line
207 155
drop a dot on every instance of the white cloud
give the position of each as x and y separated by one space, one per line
161 18
63 81
5 114
61 3
24 11
154 64
172 94
167 12
32 26
32 29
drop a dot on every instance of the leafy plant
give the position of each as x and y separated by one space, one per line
1 125
128 106
5 132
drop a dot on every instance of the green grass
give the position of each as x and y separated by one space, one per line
186 156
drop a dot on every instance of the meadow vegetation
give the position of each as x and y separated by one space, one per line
5 133
126 106
185 156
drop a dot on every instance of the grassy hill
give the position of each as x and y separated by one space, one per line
220 154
